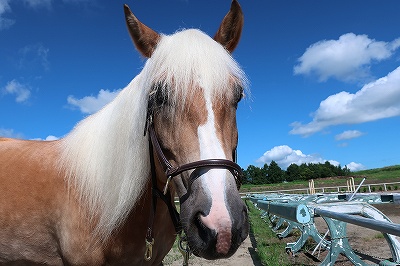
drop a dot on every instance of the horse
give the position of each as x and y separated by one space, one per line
104 193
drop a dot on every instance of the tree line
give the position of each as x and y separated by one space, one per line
272 173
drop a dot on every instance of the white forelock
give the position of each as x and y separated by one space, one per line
190 60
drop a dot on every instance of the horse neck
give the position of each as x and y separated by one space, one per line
106 158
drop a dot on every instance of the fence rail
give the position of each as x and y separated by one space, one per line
382 226
299 211
334 189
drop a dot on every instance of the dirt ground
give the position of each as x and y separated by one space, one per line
370 245
244 256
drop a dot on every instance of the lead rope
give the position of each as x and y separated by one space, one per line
184 248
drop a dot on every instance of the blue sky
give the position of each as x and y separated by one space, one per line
324 75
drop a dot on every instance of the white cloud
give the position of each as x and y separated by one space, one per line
22 92
33 55
91 104
376 100
9 133
38 3
5 23
349 134
48 138
6 132
355 166
48 3
284 156
395 44
51 137
346 59
4 6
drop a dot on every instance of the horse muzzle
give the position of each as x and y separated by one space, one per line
214 229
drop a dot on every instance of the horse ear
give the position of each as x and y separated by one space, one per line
230 29
144 38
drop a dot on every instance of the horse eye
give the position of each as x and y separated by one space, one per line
238 94
159 95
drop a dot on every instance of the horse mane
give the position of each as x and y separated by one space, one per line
106 157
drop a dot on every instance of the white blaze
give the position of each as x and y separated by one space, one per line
213 181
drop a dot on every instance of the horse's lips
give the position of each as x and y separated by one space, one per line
223 242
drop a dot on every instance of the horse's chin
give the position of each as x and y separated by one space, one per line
207 243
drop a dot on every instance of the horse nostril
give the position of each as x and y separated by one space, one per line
197 220
205 233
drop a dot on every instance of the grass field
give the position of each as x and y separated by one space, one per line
270 249
390 172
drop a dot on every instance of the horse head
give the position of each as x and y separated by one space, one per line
194 88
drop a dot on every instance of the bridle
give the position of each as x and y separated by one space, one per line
173 171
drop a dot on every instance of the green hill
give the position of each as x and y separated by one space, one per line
373 176
388 173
